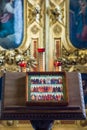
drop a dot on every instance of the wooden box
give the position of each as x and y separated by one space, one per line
14 107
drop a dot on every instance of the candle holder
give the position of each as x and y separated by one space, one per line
57 65
41 59
23 65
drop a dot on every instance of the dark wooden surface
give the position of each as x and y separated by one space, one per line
14 105
14 89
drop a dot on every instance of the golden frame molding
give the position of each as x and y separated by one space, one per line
9 58
24 44
57 124
73 59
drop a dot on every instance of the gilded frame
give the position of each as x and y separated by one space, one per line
68 45
9 58
66 38
69 54
23 44
74 58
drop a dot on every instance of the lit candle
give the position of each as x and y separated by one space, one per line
41 52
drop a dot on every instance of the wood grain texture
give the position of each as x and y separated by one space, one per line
14 90
14 97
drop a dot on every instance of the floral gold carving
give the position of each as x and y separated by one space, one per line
57 29
34 29
57 12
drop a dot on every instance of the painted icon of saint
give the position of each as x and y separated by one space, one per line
11 24
78 23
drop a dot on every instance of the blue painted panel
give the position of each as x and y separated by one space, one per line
11 23
78 23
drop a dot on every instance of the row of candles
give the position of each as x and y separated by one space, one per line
41 51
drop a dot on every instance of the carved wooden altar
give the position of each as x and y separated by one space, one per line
14 104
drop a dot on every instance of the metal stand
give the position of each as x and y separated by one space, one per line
42 124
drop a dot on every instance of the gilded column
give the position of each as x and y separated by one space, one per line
47 33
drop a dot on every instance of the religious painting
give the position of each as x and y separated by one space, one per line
84 84
11 23
78 23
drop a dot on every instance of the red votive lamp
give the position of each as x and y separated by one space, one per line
41 50
58 64
41 62
23 66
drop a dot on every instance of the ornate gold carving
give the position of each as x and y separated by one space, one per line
57 124
9 60
83 123
33 2
73 59
34 29
58 2
56 12
57 29
76 61
34 12
9 123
